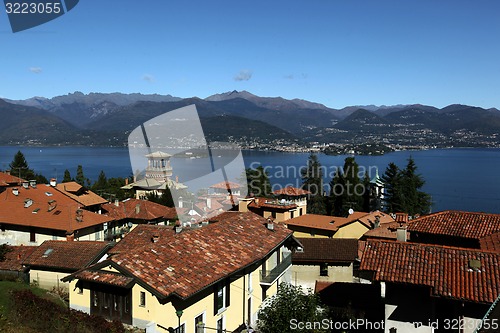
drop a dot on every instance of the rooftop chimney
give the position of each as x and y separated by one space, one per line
475 265
117 203
270 224
178 227
53 182
181 204
137 208
209 203
377 222
401 234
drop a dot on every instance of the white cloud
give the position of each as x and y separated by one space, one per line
243 75
36 70
148 77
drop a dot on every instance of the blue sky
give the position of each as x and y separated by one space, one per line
333 52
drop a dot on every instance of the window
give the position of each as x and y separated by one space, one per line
180 329
220 299
142 299
197 321
32 237
273 214
220 325
250 288
393 330
323 269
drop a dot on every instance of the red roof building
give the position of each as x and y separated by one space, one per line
454 228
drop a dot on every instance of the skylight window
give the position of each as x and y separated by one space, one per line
47 253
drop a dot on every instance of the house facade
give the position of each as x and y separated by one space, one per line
324 260
33 213
53 260
158 277
353 226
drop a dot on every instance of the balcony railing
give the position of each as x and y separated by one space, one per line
268 277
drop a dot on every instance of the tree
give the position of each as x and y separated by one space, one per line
101 183
312 176
20 168
402 191
257 181
346 189
312 181
80 177
415 201
67 176
290 304
392 201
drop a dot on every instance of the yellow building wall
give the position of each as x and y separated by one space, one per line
79 301
353 230
300 234
307 275
48 280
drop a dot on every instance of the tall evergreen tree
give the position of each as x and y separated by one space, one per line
415 201
101 183
392 201
20 168
402 190
312 181
67 176
354 190
80 177
336 198
257 181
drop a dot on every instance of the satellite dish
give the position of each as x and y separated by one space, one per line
351 211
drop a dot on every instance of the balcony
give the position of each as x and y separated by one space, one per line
269 277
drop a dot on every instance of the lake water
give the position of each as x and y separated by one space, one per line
461 179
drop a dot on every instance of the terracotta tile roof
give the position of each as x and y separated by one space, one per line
457 223
49 209
326 250
385 231
444 269
110 278
333 223
491 242
67 255
15 257
291 191
80 194
185 263
139 210
224 185
8 179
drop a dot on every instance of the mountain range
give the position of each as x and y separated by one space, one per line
244 118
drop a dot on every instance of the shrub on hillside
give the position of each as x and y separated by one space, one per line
44 315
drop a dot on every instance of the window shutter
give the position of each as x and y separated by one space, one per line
216 287
228 288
